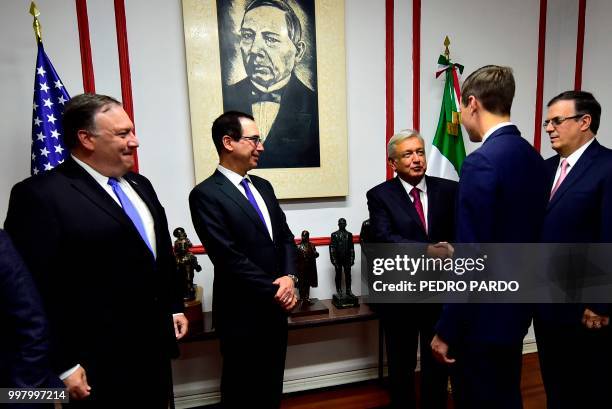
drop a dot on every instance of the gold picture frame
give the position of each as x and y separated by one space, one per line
206 101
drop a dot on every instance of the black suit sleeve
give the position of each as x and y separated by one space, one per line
24 320
211 223
173 290
35 231
286 238
382 227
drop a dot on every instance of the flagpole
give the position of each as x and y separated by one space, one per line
36 24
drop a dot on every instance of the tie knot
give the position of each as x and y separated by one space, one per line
244 182
564 164
415 192
113 182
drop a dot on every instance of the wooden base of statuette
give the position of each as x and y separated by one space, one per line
345 301
193 312
310 307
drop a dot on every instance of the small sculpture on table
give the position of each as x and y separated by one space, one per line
342 254
307 277
186 265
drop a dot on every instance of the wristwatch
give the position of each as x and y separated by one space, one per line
294 278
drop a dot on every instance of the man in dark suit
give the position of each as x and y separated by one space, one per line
244 230
574 339
502 198
24 347
95 238
284 108
412 208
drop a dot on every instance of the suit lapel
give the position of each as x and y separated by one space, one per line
150 203
404 202
432 201
91 189
237 197
270 203
584 163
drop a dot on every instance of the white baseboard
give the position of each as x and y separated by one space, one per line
296 385
316 382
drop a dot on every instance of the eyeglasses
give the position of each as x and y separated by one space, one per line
558 120
255 139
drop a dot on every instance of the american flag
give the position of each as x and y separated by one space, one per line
48 148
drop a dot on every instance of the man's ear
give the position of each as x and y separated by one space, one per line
300 50
392 163
86 140
226 141
586 122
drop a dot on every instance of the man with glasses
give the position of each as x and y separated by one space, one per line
244 230
574 339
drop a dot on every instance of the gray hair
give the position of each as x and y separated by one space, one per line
399 137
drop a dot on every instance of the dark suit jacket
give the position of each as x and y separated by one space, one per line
293 140
24 347
579 212
109 301
246 259
503 191
394 219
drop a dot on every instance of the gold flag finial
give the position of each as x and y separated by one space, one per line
446 50
34 12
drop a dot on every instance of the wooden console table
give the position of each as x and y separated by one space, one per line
335 316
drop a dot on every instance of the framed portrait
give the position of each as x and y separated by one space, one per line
283 62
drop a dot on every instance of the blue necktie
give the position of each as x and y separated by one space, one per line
245 184
130 210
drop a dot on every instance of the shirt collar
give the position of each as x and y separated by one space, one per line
273 87
233 177
495 128
573 158
100 178
422 185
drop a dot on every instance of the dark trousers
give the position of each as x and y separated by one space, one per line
576 365
404 325
253 369
487 376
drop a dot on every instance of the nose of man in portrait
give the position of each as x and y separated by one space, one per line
269 50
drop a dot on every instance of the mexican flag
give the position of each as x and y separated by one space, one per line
447 151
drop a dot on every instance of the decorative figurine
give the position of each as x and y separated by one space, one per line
342 254
306 267
307 277
186 264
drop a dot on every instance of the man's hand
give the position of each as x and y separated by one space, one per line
285 295
594 321
440 350
77 385
181 325
441 250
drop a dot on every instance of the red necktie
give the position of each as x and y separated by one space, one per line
418 205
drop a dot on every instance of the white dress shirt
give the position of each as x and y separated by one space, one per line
422 186
265 112
139 204
236 179
571 161
495 128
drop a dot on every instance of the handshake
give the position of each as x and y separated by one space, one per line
441 250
